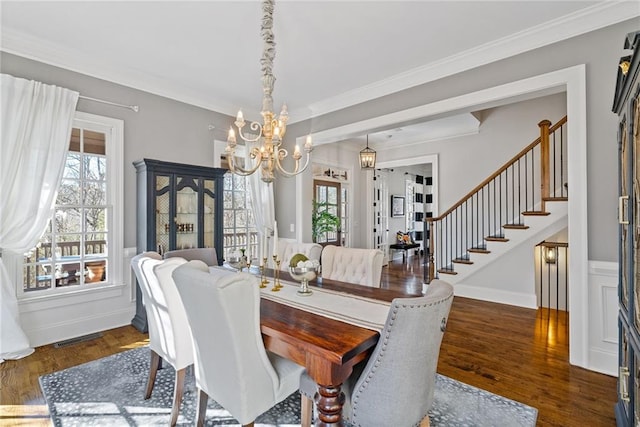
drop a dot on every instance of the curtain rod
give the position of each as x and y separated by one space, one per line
102 101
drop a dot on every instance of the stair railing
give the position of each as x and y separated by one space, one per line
537 174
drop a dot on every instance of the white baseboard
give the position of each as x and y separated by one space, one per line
603 362
496 295
59 331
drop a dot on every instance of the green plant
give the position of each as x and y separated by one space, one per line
323 221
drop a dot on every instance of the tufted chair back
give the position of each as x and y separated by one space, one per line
352 265
288 248
395 387
169 333
232 365
206 255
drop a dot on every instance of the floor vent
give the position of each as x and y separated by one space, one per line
76 340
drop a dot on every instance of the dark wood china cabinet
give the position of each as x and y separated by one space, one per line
627 106
178 206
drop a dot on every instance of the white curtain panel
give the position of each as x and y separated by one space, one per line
36 127
262 201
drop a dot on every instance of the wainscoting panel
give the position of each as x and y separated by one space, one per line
54 318
603 319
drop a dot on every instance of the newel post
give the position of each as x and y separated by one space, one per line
544 162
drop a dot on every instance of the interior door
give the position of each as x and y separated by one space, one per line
381 213
329 195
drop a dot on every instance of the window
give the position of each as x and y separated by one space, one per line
82 245
239 224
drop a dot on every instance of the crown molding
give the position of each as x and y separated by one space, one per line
27 46
586 20
589 19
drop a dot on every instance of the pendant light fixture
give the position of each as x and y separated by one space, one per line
368 157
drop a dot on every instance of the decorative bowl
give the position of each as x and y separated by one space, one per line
303 275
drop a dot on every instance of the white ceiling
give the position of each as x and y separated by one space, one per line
330 54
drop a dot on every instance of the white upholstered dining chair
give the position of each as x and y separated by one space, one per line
288 248
232 365
169 334
206 255
352 265
395 386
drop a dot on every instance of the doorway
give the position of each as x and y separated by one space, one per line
572 82
381 213
327 198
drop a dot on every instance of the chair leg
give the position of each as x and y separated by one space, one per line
178 388
306 409
248 425
154 364
201 409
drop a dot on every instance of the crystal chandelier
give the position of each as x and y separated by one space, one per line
265 142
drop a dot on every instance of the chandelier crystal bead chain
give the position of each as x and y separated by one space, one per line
265 148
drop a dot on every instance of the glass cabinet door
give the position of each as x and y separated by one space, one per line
186 215
633 229
636 390
163 212
209 213
624 229
624 373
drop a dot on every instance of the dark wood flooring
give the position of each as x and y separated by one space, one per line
518 353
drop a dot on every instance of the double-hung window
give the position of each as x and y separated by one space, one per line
82 245
239 224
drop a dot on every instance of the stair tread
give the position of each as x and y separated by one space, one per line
536 213
479 250
463 261
446 271
555 199
515 226
496 239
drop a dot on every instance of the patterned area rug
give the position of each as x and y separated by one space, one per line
109 392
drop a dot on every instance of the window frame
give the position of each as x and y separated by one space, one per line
114 136
250 233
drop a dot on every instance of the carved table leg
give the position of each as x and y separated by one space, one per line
329 401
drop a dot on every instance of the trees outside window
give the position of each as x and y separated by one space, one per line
77 248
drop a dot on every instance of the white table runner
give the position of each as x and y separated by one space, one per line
360 311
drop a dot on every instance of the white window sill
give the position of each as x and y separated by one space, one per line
84 294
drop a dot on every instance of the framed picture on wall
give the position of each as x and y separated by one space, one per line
397 206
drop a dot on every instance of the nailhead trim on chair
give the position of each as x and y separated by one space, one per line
384 347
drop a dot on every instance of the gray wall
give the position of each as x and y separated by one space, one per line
465 161
164 129
171 130
599 50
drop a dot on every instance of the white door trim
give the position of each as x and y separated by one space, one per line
573 81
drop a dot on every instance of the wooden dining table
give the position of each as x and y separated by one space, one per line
327 348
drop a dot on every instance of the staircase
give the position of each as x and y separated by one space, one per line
524 200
